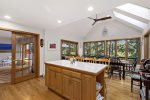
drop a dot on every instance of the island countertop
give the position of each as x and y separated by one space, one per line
92 68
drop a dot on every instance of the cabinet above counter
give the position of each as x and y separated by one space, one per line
90 68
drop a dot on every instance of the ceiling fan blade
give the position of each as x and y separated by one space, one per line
91 18
105 18
93 23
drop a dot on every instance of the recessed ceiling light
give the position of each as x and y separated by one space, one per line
90 8
59 21
7 17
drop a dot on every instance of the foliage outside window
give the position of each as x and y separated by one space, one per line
87 49
111 48
101 48
121 49
94 48
68 48
133 48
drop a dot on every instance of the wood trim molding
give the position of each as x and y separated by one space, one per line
13 70
68 41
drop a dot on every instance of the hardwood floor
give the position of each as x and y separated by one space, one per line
35 89
5 74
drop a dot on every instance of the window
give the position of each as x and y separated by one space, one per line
133 48
111 47
124 49
101 49
121 49
68 48
94 48
87 49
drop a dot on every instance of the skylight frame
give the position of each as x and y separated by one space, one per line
130 20
135 10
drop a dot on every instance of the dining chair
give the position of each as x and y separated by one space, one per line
135 76
105 61
78 58
68 57
89 60
115 66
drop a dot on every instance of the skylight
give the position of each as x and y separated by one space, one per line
136 10
130 20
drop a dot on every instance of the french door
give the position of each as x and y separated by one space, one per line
24 57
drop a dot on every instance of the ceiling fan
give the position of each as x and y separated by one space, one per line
99 19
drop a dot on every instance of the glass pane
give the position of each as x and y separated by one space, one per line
28 57
24 55
87 49
65 49
73 48
133 48
111 48
101 49
121 49
93 49
18 59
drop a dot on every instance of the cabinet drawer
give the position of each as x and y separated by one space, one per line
72 73
67 72
55 69
76 75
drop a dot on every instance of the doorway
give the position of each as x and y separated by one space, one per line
5 56
24 56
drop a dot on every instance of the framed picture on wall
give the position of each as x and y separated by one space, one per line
51 46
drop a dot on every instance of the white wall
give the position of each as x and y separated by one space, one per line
116 30
11 25
55 37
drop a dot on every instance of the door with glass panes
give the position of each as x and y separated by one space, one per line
23 57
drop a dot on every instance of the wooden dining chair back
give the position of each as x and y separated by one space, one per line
78 58
115 65
89 60
68 57
105 61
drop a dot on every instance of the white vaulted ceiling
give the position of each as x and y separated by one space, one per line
45 13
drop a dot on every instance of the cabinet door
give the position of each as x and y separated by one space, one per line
52 80
67 86
58 84
88 88
47 76
76 89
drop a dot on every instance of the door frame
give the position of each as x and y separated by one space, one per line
37 54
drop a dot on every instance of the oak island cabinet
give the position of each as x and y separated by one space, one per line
75 81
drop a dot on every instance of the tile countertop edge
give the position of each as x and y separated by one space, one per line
78 70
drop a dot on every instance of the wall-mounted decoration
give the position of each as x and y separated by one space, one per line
41 42
51 46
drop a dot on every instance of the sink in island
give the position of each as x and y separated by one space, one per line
75 81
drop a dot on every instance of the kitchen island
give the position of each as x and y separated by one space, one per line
75 81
